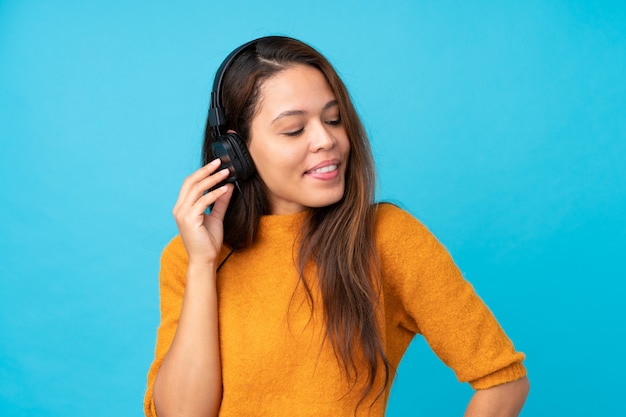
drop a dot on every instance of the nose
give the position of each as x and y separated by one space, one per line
322 138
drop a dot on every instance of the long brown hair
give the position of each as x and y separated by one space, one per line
348 275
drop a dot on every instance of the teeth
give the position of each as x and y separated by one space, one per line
325 169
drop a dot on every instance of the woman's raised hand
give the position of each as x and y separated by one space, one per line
203 233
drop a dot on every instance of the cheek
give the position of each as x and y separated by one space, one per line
274 160
345 145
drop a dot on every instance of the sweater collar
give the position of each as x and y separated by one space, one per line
288 224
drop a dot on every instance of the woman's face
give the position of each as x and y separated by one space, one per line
298 142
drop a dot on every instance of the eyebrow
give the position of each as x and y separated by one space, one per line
288 113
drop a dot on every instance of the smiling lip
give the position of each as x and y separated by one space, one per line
326 170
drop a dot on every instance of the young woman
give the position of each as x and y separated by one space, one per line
297 295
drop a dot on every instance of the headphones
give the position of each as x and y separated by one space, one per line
230 148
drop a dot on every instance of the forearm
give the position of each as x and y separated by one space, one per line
189 381
504 400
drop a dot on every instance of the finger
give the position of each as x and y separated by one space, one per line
193 192
196 176
206 170
205 186
210 198
192 179
221 204
191 217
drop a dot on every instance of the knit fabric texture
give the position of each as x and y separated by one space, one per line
275 357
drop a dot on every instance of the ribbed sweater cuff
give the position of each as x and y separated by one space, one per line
510 373
151 409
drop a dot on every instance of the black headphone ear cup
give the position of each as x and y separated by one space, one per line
233 152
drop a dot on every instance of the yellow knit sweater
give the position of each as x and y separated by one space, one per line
275 360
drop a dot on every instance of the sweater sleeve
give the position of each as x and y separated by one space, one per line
425 293
172 288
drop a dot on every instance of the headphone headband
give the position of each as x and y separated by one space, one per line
217 116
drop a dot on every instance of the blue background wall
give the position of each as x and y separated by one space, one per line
501 126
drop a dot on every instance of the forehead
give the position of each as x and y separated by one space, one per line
300 87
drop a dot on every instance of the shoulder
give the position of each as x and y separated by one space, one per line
174 251
174 260
404 244
394 224
391 214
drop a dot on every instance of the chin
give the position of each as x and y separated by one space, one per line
327 200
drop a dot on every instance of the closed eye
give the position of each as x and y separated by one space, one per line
294 132
334 122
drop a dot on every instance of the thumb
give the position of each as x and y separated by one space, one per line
221 204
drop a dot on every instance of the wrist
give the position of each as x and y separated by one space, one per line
201 268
